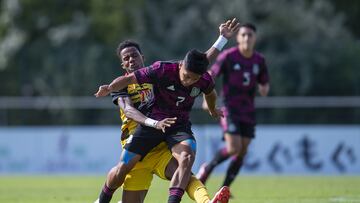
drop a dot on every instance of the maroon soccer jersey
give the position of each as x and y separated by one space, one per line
172 99
240 78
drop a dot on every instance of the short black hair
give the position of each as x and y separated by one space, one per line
248 25
196 62
126 44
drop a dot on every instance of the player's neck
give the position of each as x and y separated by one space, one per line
247 53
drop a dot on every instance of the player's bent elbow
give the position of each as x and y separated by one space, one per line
119 83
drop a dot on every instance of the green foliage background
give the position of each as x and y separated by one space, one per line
67 48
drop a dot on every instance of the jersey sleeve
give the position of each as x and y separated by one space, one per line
217 68
210 85
150 74
116 95
263 76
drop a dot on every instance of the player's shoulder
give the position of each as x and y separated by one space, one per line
231 50
165 64
259 56
169 66
162 68
226 53
207 77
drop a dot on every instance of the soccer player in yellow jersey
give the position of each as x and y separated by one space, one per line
135 101
132 100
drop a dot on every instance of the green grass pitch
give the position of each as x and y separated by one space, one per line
249 189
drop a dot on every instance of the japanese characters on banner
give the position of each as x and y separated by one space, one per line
277 149
292 149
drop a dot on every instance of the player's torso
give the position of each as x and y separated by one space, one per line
172 98
142 97
240 81
241 73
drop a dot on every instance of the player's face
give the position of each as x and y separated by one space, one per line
187 78
246 38
131 59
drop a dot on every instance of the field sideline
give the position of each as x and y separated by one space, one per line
249 189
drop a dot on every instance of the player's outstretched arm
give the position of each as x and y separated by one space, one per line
118 84
131 112
121 82
227 30
210 100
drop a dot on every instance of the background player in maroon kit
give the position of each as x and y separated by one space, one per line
243 70
176 85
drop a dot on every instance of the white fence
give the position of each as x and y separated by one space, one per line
277 149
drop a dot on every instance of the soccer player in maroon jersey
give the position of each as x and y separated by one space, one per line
243 70
135 102
176 85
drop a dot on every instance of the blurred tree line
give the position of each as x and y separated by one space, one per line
67 48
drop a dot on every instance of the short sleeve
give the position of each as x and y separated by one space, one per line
150 74
210 84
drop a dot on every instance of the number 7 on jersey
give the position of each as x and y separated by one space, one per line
180 99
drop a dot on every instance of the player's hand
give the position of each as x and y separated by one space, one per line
229 28
165 123
216 113
103 91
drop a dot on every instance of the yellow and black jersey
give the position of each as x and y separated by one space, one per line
155 162
142 97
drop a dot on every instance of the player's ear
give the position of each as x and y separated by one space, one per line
122 65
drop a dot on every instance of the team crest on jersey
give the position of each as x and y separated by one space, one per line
146 95
195 92
256 69
237 67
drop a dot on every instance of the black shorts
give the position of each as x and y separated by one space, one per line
146 138
238 128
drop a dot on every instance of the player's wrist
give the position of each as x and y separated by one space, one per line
110 88
150 122
220 42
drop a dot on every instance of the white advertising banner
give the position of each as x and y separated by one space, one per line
277 149
58 149
292 149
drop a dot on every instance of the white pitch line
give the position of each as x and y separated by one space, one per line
344 199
